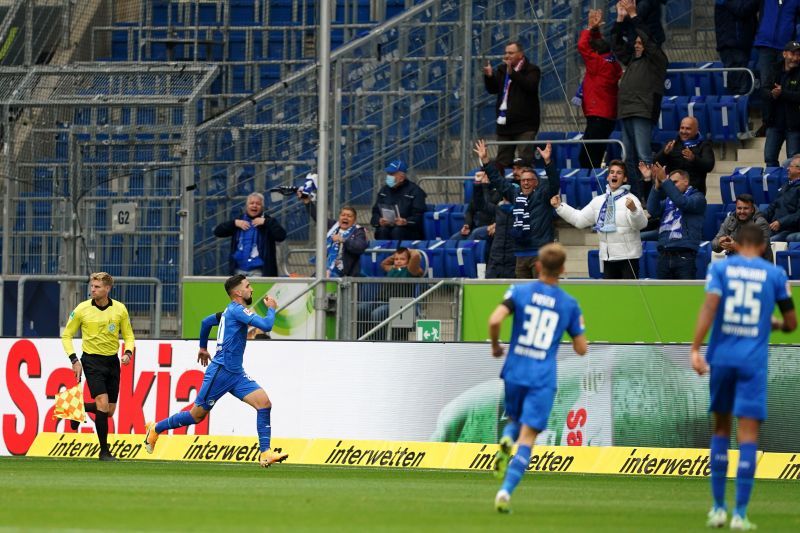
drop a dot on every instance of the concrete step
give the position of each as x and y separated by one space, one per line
750 154
570 236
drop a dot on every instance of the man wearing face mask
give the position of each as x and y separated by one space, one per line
400 206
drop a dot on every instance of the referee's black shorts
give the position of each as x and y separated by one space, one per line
102 375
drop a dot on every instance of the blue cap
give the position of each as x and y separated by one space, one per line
396 165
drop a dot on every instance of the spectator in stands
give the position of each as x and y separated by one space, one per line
746 212
532 214
781 93
400 206
640 89
345 242
690 152
480 210
783 214
516 84
682 210
403 263
253 237
735 25
502 261
600 87
776 27
618 217
650 12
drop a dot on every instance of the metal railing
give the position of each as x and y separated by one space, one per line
562 141
156 317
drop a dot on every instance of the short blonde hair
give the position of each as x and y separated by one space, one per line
103 277
552 258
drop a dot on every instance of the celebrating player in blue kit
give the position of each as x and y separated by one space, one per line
741 293
542 311
225 373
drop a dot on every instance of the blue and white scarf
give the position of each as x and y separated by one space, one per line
246 255
501 118
335 250
671 220
606 219
691 143
522 216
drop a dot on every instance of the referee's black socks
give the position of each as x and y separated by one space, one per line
101 425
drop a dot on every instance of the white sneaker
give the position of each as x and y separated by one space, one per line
717 517
741 523
502 502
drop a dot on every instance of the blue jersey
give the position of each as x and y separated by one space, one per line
232 334
748 289
541 314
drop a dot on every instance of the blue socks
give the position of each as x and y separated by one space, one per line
511 430
263 428
719 469
745 475
183 418
517 467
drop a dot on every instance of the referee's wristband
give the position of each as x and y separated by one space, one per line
73 358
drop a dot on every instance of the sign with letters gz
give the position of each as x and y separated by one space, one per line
123 217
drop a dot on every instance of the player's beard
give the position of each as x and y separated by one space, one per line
249 300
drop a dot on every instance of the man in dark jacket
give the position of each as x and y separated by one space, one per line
516 84
689 152
480 212
777 21
682 210
746 212
400 206
784 213
781 93
345 241
640 89
253 237
735 26
532 213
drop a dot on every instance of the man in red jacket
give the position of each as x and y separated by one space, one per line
600 87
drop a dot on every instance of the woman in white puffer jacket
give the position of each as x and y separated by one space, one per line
618 217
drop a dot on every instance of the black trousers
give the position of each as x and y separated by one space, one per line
623 269
596 128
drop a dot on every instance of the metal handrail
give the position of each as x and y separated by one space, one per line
55 277
404 308
298 296
720 69
563 141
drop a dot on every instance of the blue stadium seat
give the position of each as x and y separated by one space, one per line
595 267
590 186
668 120
695 106
461 261
569 184
724 118
650 256
673 83
437 222
726 210
710 224
699 83
743 112
435 252
571 152
457 220
764 188
737 183
789 260
703 259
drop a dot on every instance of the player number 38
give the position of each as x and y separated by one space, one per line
538 328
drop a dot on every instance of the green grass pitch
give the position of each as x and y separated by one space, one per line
50 494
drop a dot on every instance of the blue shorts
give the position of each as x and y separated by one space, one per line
217 382
742 391
528 405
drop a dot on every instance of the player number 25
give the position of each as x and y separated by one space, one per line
743 297
538 328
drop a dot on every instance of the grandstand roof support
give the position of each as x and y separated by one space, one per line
323 163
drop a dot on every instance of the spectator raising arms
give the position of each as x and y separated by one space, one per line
618 217
253 237
600 88
640 89
532 214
